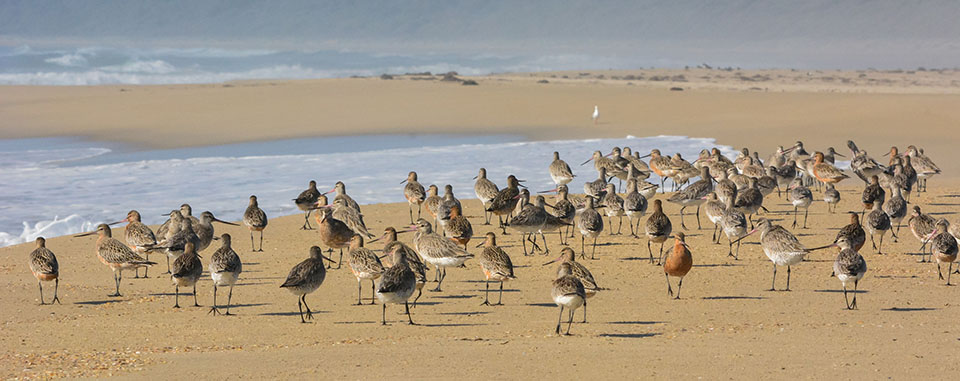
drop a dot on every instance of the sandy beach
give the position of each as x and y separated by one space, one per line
769 108
725 326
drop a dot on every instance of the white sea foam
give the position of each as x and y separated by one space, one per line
90 194
68 60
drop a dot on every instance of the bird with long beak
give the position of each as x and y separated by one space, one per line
139 237
305 278
506 200
496 266
678 263
414 193
341 190
116 255
579 271
780 246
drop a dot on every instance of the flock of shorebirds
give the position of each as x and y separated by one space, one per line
730 192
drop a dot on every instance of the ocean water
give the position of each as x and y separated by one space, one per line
94 65
59 186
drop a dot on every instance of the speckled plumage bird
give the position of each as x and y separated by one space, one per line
485 190
256 220
579 271
341 190
458 228
896 208
397 285
225 268
800 197
44 267
305 202
590 224
391 243
922 226
365 265
437 250
567 292
943 247
138 236
505 201
305 278
832 197
204 229
694 195
187 270
496 266
335 234
849 267
657 229
414 193
878 222
560 171
634 206
115 254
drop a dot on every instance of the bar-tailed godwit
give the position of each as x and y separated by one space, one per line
485 190
225 268
849 267
138 236
657 229
414 193
44 266
678 263
439 251
305 202
187 270
397 285
256 220
365 265
579 271
305 278
496 266
115 254
567 293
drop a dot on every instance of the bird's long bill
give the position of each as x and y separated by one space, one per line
405 180
481 244
225 222
609 154
554 260
329 191
548 191
378 238
748 234
823 247
588 160
546 204
85 234
474 177
118 222
645 156
327 258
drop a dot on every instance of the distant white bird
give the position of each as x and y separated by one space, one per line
596 114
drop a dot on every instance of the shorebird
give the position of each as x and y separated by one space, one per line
922 226
677 263
579 271
830 156
347 215
923 165
768 182
714 209
433 202
529 221
170 228
832 197
726 188
602 162
256 220
138 236
750 201
878 222
596 189
784 175
900 179
437 250
694 195
305 202
333 233
505 201
862 164
741 181
44 266
397 284
943 248
485 190
187 212
414 193
187 270
872 193
567 292
849 267
496 266
661 166
596 115
634 205
449 200
896 209
458 228
657 229
115 254
306 277
365 265
341 190
910 173
851 236
734 225
801 197
638 162
204 229
563 210
560 172
797 152
174 245
412 258
590 224
780 246
613 207
778 158
743 159
225 268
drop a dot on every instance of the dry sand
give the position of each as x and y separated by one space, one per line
726 325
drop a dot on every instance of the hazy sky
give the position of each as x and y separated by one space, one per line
812 33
